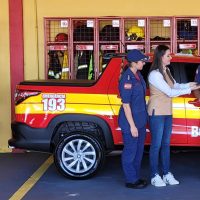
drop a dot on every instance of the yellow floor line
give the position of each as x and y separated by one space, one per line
21 192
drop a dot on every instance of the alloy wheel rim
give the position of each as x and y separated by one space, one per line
78 156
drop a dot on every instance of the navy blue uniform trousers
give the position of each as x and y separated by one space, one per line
132 154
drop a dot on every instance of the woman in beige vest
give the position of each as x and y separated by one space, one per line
162 88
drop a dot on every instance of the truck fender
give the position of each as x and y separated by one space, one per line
106 131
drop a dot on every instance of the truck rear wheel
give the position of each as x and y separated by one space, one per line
79 156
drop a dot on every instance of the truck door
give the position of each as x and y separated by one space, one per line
115 102
192 106
193 120
179 129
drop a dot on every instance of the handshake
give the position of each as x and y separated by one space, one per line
194 85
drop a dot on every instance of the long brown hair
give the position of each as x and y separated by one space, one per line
123 68
157 61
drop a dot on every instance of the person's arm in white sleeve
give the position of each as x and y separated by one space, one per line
157 80
181 85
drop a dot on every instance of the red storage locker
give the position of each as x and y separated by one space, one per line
160 31
109 40
83 48
135 34
57 48
186 36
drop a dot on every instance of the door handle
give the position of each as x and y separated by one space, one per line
195 102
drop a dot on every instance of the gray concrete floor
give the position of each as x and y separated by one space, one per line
108 184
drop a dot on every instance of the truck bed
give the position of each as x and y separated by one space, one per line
55 82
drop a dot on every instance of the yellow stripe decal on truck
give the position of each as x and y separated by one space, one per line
92 104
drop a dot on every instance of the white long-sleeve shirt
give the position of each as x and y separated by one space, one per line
158 81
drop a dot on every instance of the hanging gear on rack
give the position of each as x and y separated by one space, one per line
84 58
54 71
65 66
91 70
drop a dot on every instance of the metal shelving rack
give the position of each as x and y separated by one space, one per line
186 36
134 34
57 47
159 31
81 43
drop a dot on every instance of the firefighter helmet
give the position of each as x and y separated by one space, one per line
109 33
61 37
135 33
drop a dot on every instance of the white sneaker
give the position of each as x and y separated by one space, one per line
169 179
157 181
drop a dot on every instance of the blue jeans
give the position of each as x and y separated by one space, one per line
160 128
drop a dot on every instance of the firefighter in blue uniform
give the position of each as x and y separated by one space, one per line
133 118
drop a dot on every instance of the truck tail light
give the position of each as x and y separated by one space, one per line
21 95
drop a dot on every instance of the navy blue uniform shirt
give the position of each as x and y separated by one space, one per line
132 91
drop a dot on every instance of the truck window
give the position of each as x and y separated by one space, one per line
181 72
174 69
190 71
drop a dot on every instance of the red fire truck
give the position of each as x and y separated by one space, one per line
76 120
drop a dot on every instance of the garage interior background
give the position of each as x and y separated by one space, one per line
33 12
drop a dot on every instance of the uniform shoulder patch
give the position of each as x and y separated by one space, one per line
127 86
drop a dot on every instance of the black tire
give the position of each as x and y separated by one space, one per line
79 156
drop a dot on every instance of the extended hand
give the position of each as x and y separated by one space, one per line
192 84
195 87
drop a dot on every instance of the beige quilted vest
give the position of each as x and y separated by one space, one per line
159 103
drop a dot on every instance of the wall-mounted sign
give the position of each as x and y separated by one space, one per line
63 23
115 23
193 22
58 47
135 46
90 23
166 23
109 47
84 47
141 22
187 46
